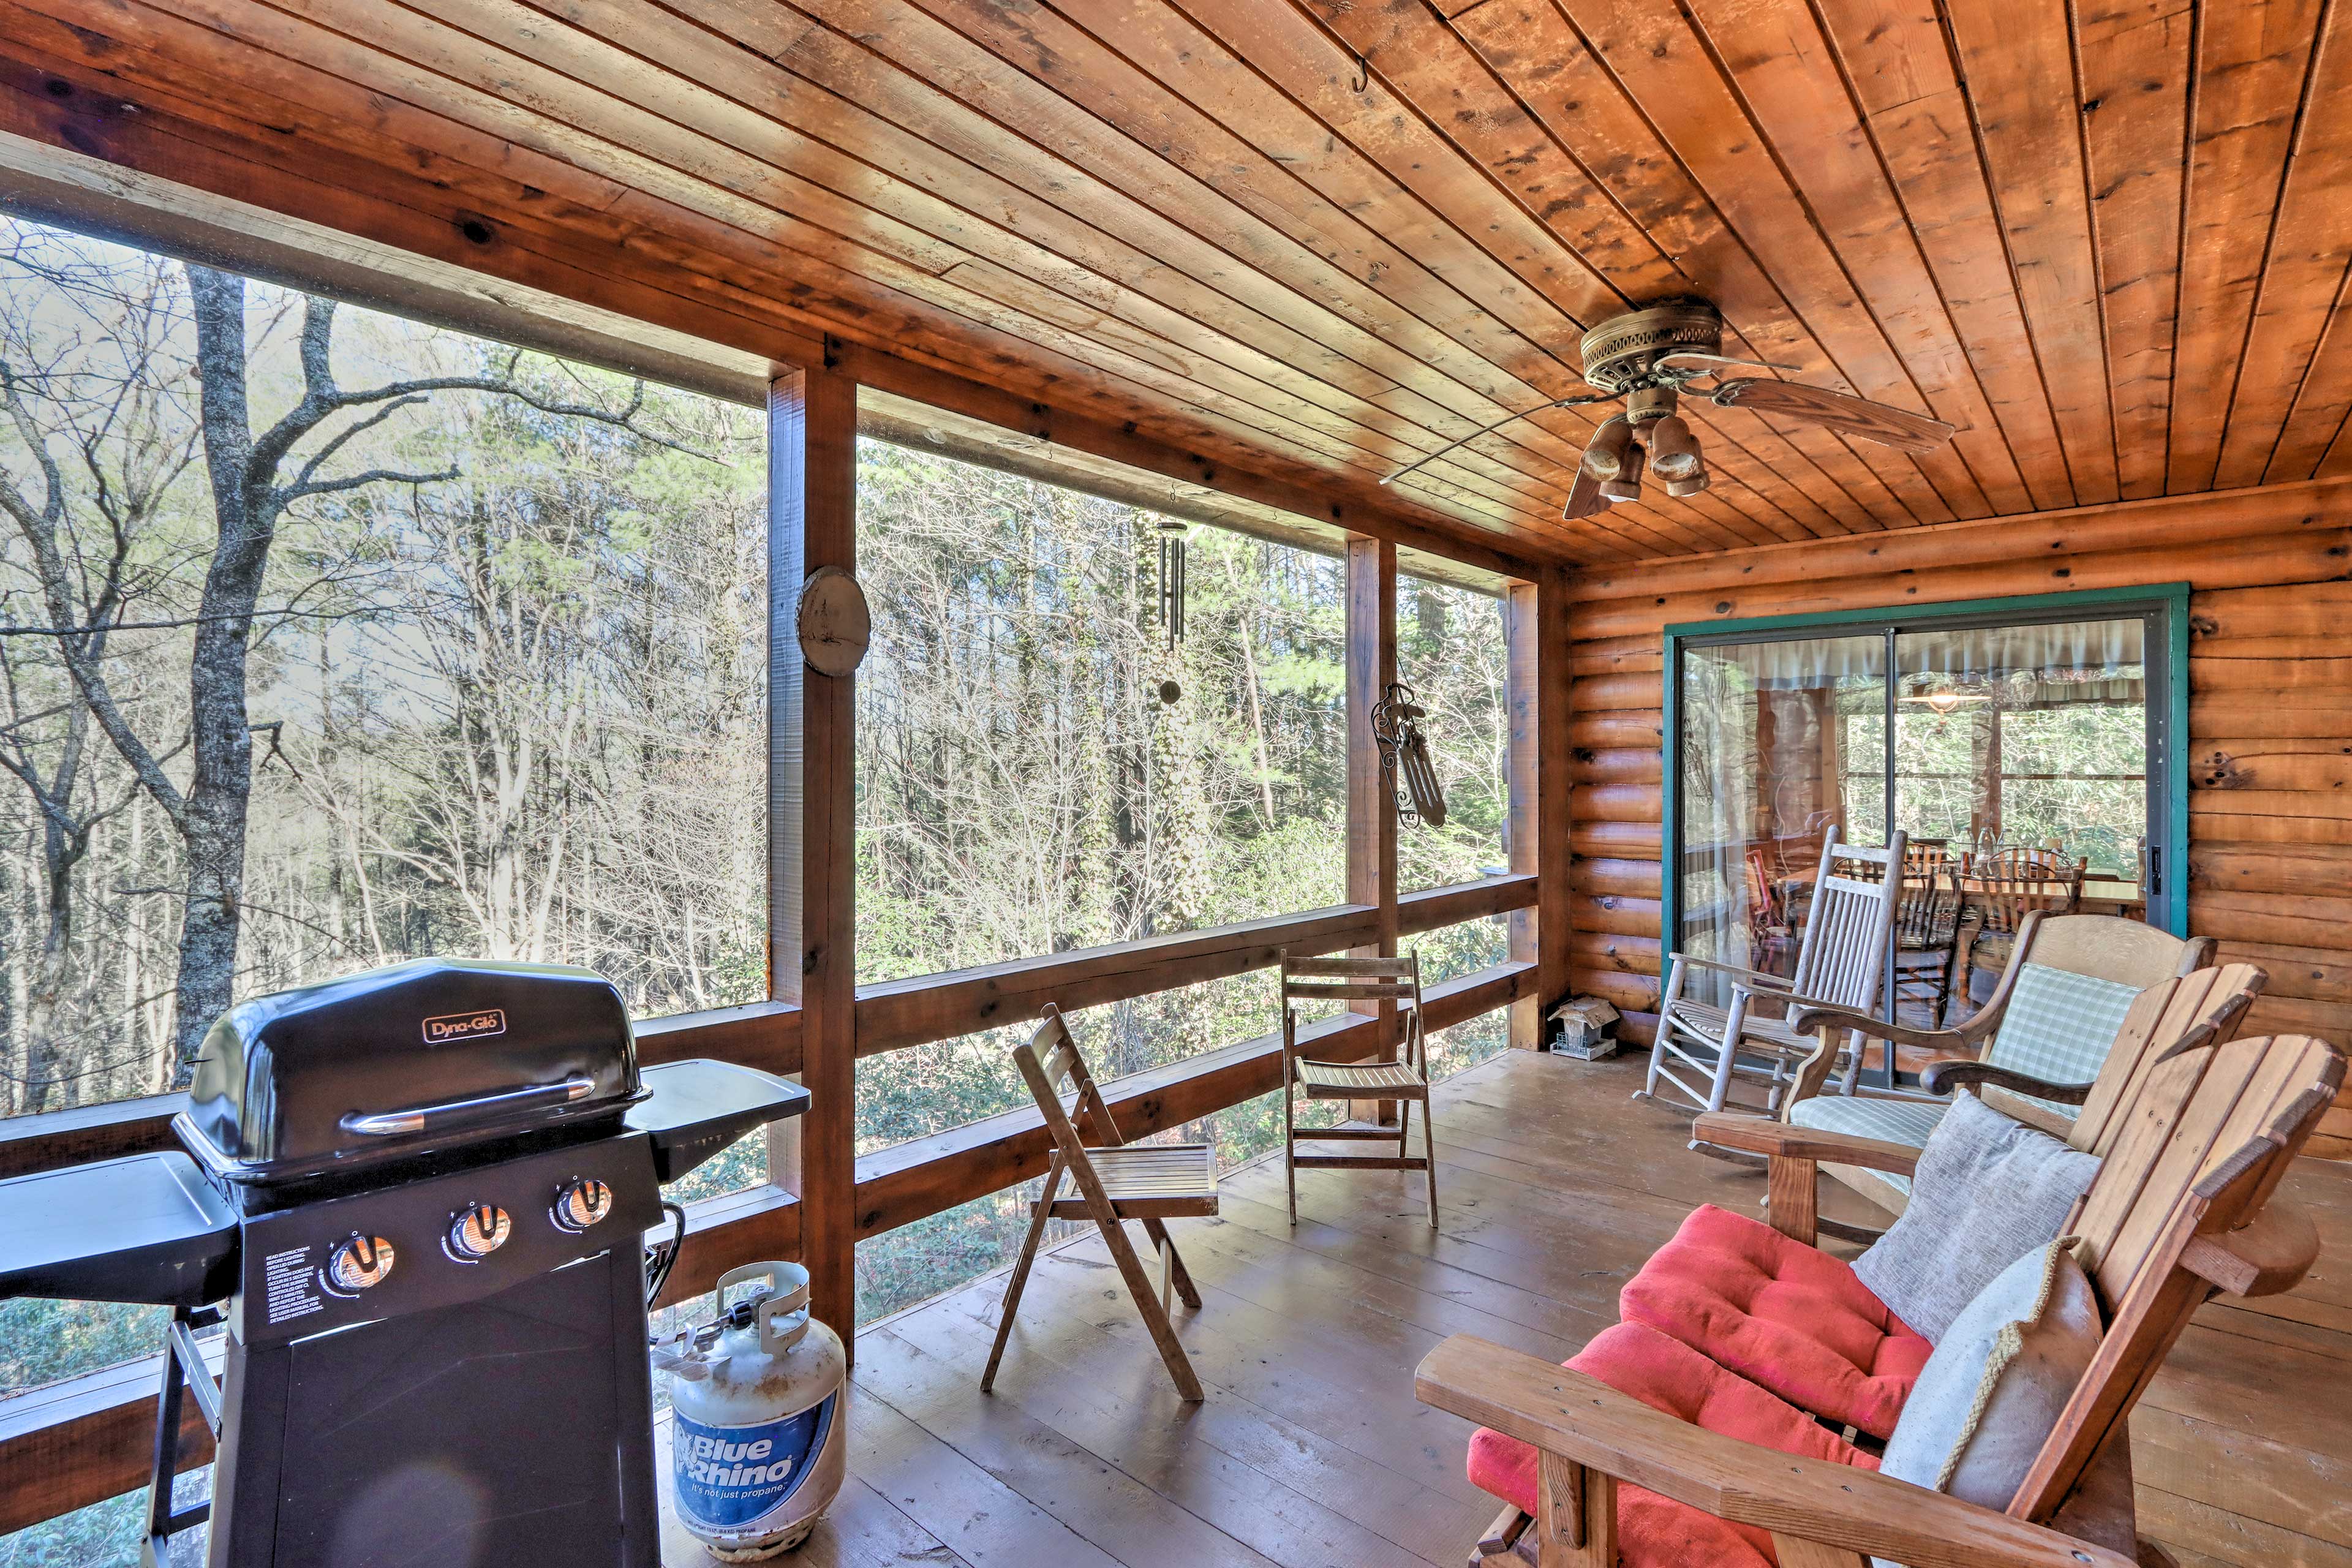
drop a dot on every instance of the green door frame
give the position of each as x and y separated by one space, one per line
2169 907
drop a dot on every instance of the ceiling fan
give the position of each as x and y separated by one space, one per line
1651 358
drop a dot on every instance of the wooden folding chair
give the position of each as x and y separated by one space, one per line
1406 1080
1116 1181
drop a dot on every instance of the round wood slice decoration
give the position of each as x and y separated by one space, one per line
833 625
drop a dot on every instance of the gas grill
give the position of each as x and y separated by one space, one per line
416 1200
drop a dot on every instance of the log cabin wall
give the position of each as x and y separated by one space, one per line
2270 716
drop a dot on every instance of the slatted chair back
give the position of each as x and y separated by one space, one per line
1378 979
2014 883
2194 1131
1843 951
1927 909
1052 1066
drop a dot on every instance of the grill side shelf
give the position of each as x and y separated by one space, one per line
147 1230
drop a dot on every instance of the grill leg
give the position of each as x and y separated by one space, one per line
182 1361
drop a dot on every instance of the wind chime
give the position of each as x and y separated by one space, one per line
1404 758
1171 593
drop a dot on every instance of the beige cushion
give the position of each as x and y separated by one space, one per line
1988 1190
1991 1395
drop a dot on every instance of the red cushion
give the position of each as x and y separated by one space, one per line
1782 1314
1654 1531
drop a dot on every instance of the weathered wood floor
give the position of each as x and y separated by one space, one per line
1311 1451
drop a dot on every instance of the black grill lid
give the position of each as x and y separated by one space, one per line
421 1057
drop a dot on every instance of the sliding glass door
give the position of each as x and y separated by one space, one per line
2020 734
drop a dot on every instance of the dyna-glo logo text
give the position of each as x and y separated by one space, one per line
465 1025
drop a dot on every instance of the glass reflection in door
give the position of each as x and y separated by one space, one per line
1776 743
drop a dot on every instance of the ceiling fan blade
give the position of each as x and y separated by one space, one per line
1845 414
1585 497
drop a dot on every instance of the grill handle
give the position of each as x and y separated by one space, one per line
424 1118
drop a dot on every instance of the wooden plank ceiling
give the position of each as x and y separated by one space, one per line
2107 239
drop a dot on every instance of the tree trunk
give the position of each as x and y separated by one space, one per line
221 743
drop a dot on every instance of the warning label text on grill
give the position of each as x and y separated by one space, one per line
289 1285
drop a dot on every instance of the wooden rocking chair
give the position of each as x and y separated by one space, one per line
1839 964
1116 1182
2194 1134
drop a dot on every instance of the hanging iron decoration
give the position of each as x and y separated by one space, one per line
1404 758
1171 579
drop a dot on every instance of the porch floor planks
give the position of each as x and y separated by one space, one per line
1310 1451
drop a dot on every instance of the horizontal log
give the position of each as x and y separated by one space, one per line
2264 917
2321 869
2312 555
913 1181
2325 1144
764 1035
1618 914
1620 802
1611 951
2299 615
1627 728
2220 822
1440 907
1637 1029
1617 656
1621 840
2250 762
1627 993
2309 673
2317 974
1606 875
2278 719
2043 536
915 1011
2296 805
1644 765
1614 693
2331 1021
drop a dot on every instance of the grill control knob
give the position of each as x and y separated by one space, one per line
478 1232
358 1263
583 1201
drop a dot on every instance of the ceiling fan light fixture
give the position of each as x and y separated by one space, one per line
1673 450
1605 454
1697 483
1627 485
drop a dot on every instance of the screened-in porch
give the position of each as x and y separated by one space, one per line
1505 622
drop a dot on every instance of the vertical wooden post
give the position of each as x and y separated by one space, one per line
1535 629
1371 818
812 524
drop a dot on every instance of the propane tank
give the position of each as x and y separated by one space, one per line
756 1432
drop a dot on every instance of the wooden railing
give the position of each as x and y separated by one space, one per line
80 1441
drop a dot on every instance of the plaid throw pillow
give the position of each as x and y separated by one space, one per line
2060 1026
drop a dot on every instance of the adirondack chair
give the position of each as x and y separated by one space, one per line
1839 964
2054 1016
2194 1134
